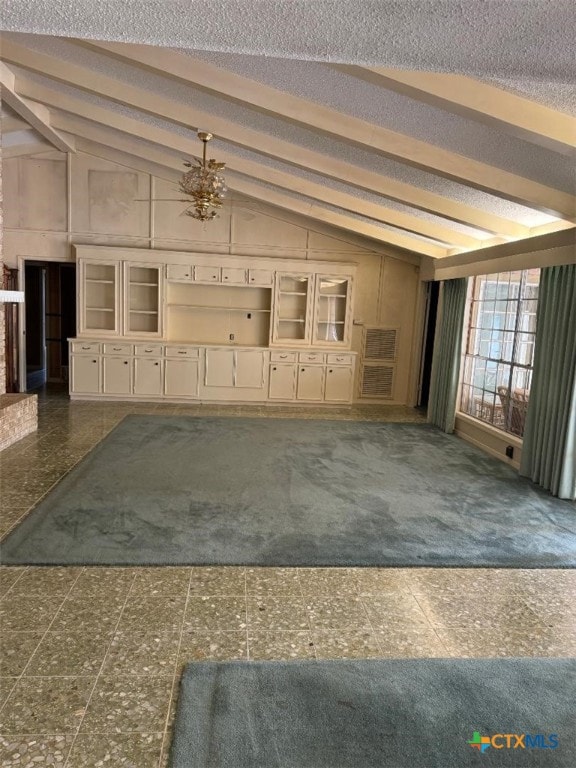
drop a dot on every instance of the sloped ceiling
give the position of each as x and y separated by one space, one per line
437 127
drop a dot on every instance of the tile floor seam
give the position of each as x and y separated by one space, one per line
21 675
98 675
175 676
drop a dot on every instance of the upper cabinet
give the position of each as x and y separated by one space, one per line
142 305
214 298
98 307
119 302
332 308
292 307
312 309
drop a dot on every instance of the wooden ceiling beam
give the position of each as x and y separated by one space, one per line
183 114
330 122
467 97
263 173
36 115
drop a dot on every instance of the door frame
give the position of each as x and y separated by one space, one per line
21 262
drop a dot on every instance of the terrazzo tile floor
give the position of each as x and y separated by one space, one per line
91 657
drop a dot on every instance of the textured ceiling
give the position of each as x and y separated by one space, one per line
436 168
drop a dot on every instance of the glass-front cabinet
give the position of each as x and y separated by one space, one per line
332 309
142 316
100 297
292 308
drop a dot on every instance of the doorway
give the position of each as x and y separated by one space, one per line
50 311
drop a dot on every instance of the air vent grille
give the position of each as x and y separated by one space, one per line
377 381
380 344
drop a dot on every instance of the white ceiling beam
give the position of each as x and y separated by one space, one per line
34 114
271 197
290 183
397 146
487 104
182 114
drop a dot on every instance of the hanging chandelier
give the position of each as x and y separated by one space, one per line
205 184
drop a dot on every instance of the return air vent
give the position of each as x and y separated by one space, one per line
380 344
377 381
380 349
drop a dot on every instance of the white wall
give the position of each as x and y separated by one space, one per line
54 200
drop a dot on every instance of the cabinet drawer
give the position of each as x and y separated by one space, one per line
336 359
148 350
207 274
189 352
311 357
117 349
86 347
283 357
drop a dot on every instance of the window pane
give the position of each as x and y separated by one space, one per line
497 368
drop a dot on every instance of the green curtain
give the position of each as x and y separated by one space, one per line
549 446
447 354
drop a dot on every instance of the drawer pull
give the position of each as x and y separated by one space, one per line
86 347
156 363
94 361
302 370
274 368
125 362
330 371
283 357
117 349
148 350
181 351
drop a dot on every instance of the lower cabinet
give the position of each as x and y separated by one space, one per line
148 376
338 384
282 381
227 374
234 368
85 374
116 378
181 378
310 382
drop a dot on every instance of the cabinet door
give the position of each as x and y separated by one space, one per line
147 376
99 297
292 308
219 370
143 291
179 272
207 274
116 375
282 384
260 276
338 386
85 374
181 378
249 368
234 275
310 382
332 310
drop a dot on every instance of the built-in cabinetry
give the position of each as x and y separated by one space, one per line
119 298
156 324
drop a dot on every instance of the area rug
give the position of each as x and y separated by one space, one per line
280 492
409 713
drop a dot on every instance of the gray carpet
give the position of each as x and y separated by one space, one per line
410 713
224 491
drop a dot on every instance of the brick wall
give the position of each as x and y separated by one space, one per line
18 417
2 316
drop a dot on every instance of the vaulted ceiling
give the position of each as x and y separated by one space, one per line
441 131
